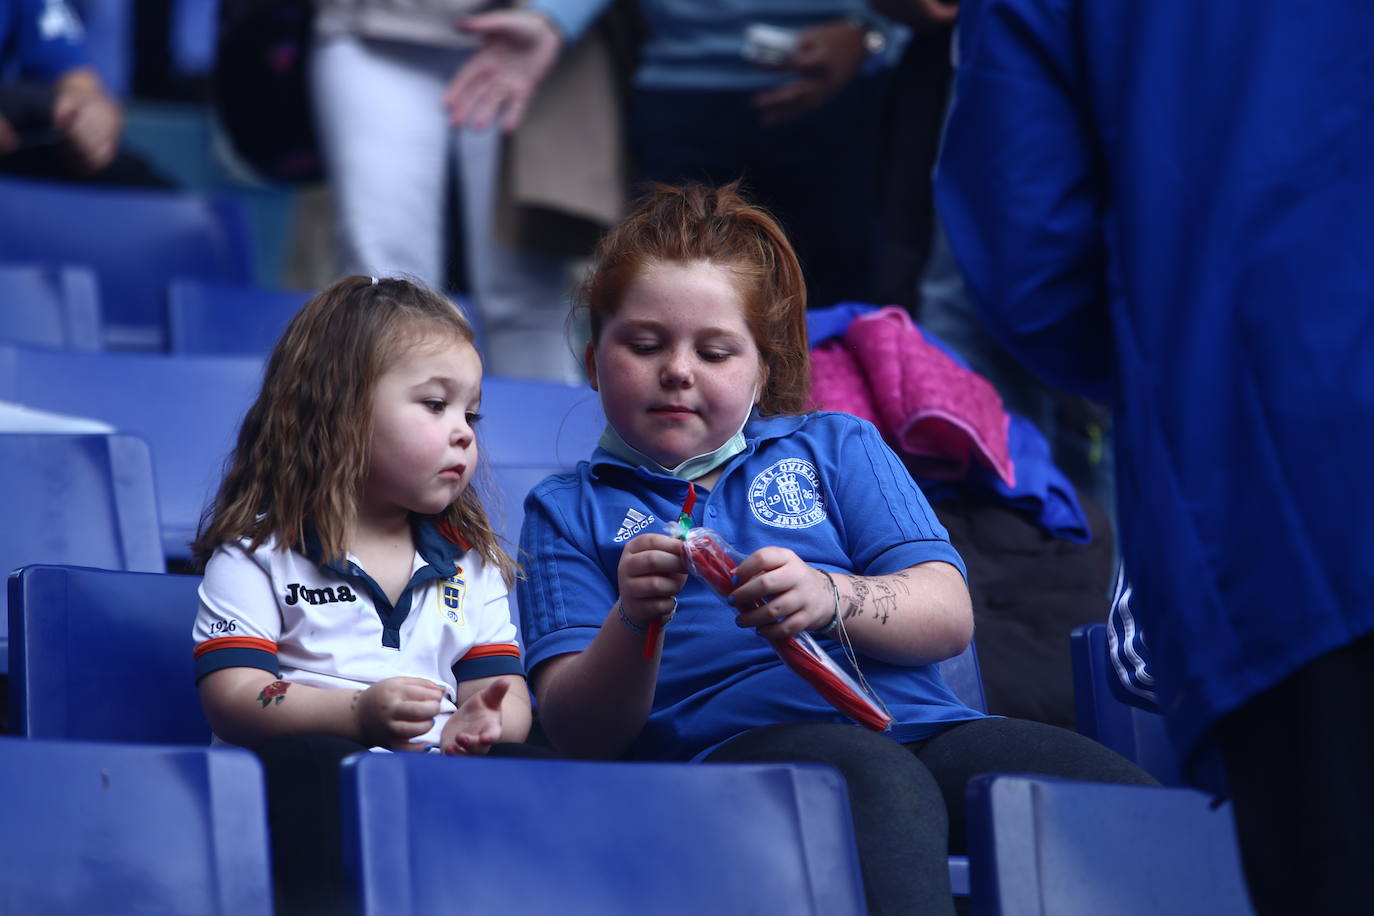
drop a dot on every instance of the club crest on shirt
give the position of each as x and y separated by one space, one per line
452 591
786 495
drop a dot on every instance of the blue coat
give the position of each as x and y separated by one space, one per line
40 39
1169 205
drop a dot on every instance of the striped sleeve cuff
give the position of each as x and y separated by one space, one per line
489 661
236 652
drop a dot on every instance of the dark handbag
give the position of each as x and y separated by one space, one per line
261 87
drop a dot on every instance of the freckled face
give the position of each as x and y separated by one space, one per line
676 366
423 451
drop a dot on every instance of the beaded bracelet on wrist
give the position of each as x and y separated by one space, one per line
637 629
835 616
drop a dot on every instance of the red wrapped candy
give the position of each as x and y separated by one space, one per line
715 561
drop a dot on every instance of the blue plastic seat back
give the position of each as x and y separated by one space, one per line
228 319
429 834
85 499
188 410
1041 846
136 241
101 655
1134 733
106 828
50 306
530 422
239 319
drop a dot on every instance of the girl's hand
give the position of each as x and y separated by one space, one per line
780 595
476 726
652 570
393 711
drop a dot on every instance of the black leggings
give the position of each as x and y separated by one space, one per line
908 800
1300 766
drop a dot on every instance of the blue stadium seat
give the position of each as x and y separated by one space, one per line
1134 733
106 828
238 319
136 241
76 499
228 319
1042 846
529 430
429 834
50 306
101 655
188 409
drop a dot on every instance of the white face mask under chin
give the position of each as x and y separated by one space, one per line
690 469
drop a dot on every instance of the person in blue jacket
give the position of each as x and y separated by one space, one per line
1170 206
50 88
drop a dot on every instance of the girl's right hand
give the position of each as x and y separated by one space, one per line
392 712
652 570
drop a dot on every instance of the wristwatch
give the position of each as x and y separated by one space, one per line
874 39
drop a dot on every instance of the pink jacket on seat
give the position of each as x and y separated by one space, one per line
934 411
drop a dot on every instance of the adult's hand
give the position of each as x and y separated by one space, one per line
518 49
827 57
88 118
9 140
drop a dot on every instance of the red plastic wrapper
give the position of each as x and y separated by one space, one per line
714 560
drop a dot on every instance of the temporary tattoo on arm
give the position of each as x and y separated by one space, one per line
884 601
855 605
273 693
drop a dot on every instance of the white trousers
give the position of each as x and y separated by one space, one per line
388 146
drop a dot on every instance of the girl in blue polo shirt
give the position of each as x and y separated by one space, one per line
355 595
696 306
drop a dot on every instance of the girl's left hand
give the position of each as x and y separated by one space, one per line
797 596
476 726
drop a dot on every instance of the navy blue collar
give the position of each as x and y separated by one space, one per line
435 549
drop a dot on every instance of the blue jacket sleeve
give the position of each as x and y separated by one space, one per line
1021 189
571 17
48 39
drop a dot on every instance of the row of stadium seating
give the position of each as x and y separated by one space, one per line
154 342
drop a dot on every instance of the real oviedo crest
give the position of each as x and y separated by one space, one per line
451 594
786 495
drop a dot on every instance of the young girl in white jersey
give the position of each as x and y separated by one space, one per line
355 595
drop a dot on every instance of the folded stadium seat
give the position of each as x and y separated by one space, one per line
104 828
228 319
238 319
427 834
1042 846
136 241
103 655
51 306
76 499
529 430
1134 733
188 409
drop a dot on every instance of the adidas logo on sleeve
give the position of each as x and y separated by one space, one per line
635 522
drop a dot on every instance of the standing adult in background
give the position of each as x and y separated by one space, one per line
797 119
1170 205
56 118
380 70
